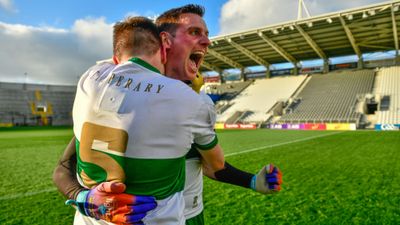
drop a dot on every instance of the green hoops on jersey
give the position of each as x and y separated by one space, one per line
135 125
128 170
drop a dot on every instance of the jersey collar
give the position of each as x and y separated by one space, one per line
144 64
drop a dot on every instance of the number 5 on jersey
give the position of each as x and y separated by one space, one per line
101 154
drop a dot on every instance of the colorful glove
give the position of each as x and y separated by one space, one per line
108 202
268 180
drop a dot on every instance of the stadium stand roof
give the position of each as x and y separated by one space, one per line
356 31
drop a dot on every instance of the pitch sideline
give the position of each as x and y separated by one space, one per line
16 196
27 194
283 143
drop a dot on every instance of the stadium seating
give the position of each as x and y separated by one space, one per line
254 102
388 91
221 106
321 98
227 91
331 98
16 101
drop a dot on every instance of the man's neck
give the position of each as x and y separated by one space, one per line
153 60
144 64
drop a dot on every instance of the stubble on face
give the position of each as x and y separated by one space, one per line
188 47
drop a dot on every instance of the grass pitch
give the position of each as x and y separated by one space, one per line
329 178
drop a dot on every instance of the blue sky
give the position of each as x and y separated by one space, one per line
54 42
63 14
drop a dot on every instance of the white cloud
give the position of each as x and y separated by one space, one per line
149 14
94 36
19 29
50 55
239 15
7 5
58 56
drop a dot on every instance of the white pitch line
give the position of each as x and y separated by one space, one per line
15 196
280 144
27 194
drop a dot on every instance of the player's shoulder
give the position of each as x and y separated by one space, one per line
95 74
100 68
182 91
103 64
106 61
149 72
206 98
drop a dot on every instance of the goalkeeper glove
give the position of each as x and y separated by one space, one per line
197 82
108 202
268 180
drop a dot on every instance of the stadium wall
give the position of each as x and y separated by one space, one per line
221 126
387 126
314 126
301 126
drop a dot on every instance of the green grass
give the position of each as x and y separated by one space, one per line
345 178
27 193
329 178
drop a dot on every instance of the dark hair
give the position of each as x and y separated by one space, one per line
168 21
135 36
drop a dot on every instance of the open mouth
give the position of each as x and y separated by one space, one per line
196 58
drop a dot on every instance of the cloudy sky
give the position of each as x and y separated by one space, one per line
54 42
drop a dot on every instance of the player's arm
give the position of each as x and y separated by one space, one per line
268 179
64 175
213 158
94 203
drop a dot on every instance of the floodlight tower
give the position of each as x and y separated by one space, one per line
302 6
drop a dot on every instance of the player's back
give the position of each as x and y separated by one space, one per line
136 126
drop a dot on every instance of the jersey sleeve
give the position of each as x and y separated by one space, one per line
205 137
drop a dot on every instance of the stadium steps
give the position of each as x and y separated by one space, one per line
388 91
15 101
331 97
260 96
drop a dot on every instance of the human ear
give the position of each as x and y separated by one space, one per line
163 52
165 40
115 60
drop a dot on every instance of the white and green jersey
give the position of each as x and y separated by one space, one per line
193 192
135 125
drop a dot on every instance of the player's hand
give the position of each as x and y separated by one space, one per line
268 180
108 202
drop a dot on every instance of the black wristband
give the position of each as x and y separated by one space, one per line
231 175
